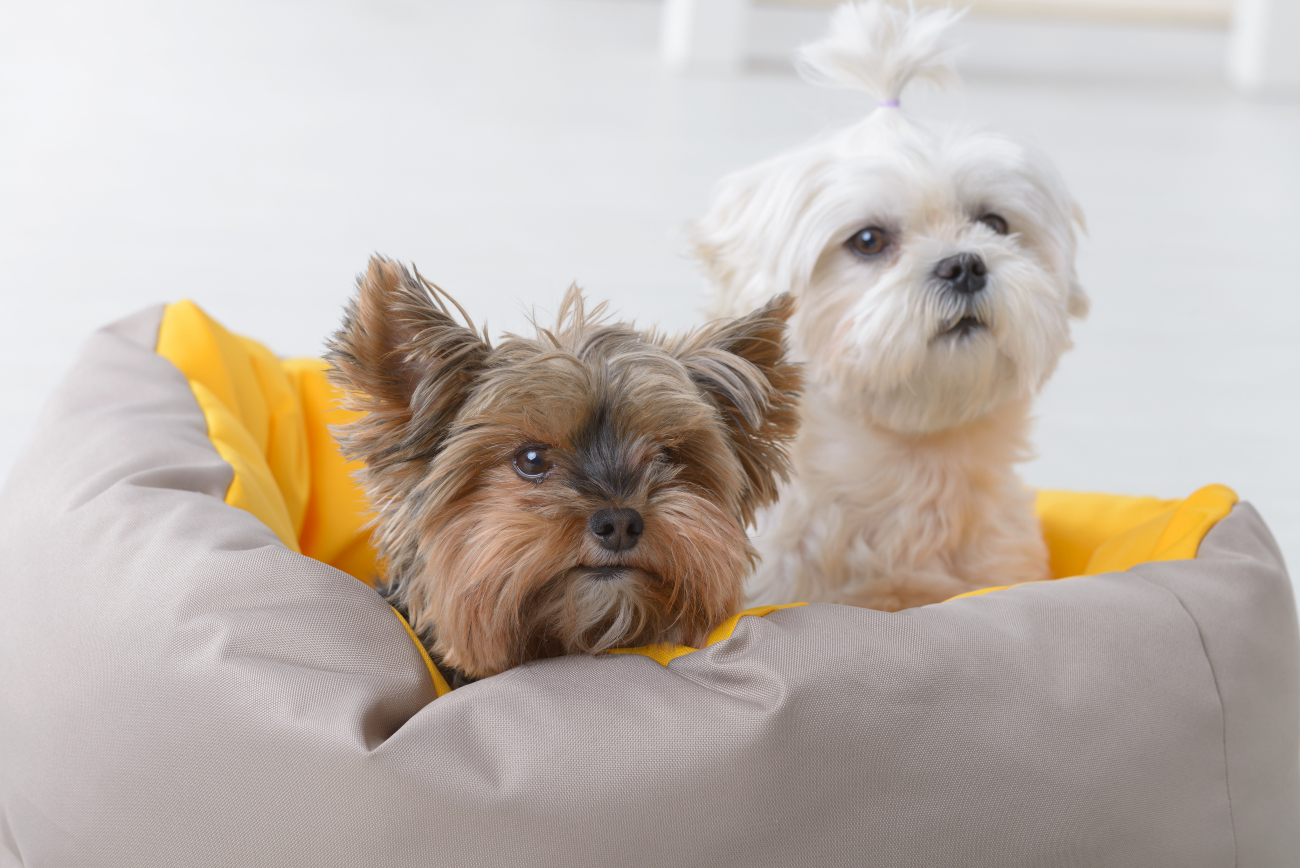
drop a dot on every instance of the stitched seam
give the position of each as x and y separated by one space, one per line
1223 714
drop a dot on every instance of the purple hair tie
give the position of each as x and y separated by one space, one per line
889 103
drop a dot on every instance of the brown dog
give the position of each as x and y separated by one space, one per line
578 491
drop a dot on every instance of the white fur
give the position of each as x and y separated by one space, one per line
879 48
904 490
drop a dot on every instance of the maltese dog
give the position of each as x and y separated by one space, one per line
933 272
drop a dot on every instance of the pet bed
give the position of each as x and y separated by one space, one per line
191 675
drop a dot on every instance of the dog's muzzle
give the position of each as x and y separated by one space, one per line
964 273
964 276
617 530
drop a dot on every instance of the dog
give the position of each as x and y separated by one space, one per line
934 279
580 490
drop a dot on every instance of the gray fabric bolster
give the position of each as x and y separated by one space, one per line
179 689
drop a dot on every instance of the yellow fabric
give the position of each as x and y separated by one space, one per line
1088 534
664 652
727 627
1174 533
269 419
333 529
440 685
250 415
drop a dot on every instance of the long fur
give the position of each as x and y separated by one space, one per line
904 489
494 568
881 48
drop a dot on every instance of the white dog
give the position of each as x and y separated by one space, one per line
934 277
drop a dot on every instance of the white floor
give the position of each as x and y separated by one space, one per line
251 155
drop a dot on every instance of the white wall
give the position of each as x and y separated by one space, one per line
252 155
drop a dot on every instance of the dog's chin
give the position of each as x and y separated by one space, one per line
965 328
609 574
961 378
589 609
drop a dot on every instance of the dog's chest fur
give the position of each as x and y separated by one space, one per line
887 521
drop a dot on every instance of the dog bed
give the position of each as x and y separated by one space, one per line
192 674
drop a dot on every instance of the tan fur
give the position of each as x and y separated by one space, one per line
889 521
493 568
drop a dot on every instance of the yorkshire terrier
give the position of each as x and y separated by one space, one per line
934 270
585 489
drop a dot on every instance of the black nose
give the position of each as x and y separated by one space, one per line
964 273
617 529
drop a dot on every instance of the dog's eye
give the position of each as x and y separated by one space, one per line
870 241
531 463
995 222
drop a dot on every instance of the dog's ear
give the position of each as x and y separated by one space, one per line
732 241
1078 301
742 365
404 362
1079 304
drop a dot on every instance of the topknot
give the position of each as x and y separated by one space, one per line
879 46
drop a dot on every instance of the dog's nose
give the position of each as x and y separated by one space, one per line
617 529
964 273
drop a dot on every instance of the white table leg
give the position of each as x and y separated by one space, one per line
703 34
1264 48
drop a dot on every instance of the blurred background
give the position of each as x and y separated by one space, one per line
251 156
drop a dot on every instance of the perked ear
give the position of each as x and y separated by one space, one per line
742 365
404 362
